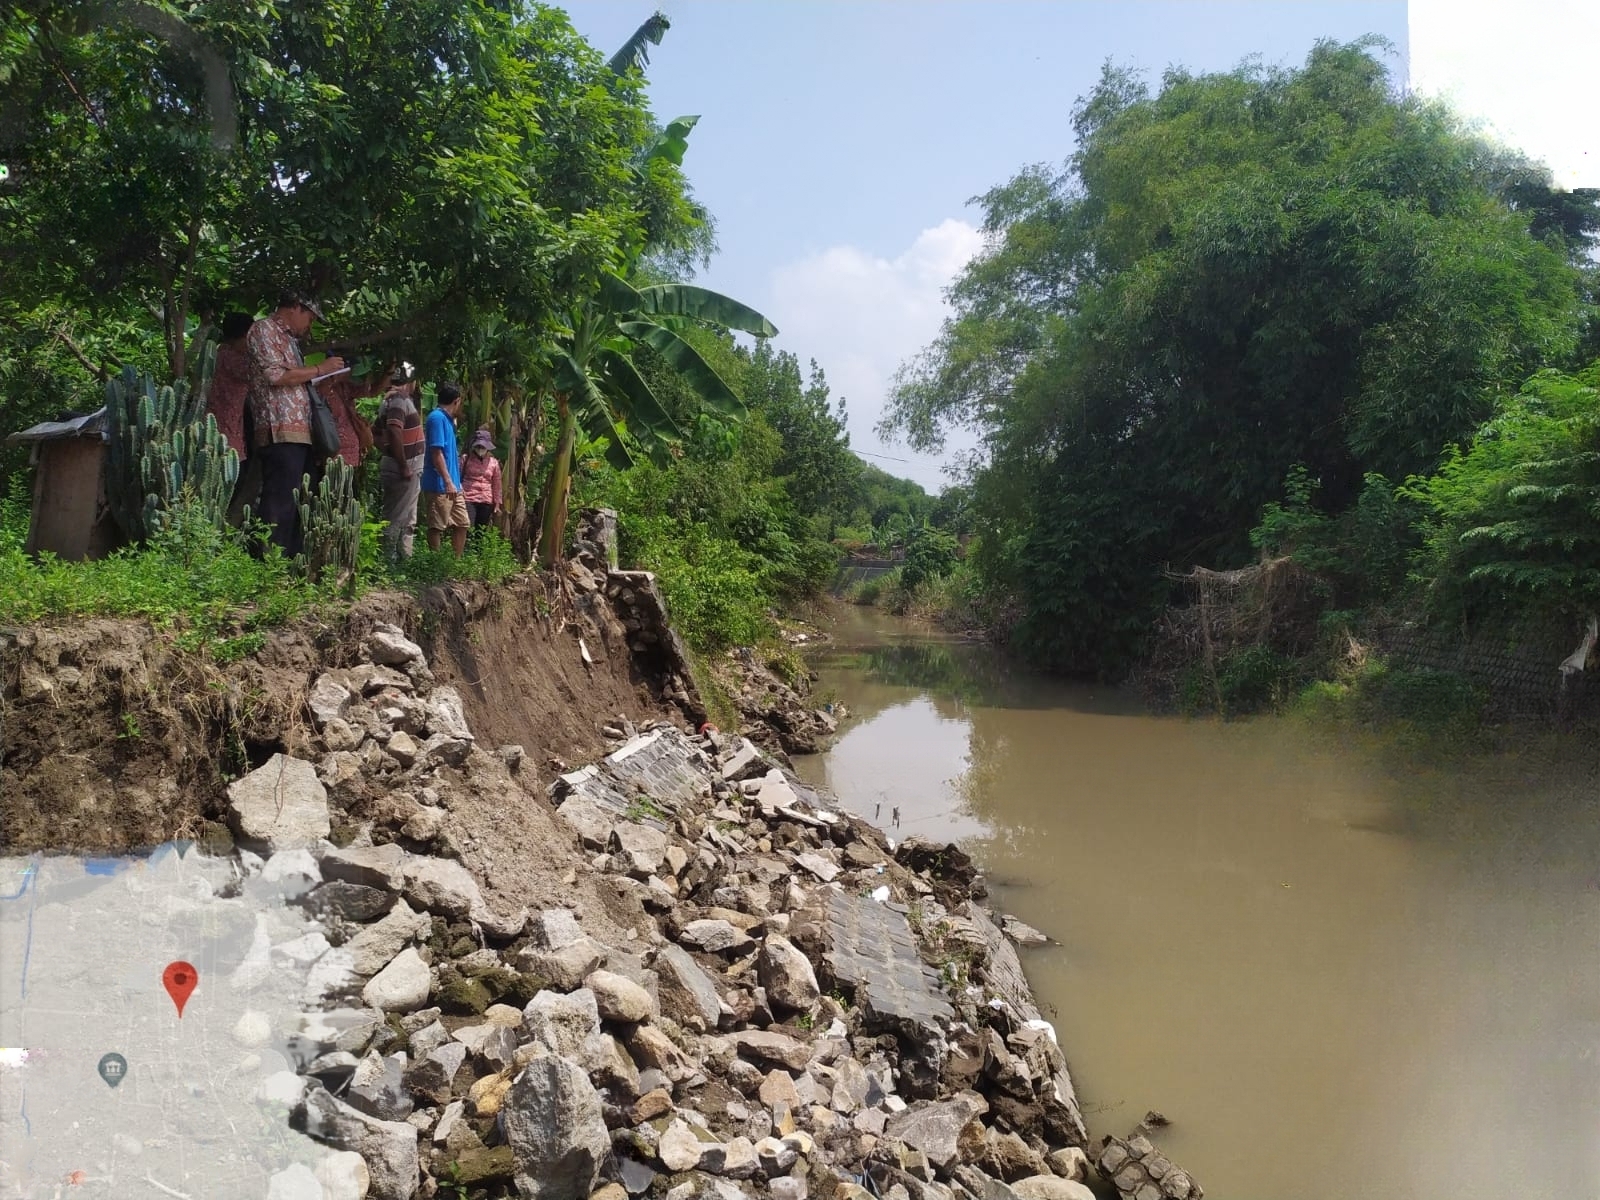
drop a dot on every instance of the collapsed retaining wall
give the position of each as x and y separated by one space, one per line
674 972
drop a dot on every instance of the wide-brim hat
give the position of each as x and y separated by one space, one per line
483 438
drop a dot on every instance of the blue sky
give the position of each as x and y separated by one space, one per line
839 142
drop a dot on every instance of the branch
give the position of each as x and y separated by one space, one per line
180 319
54 60
76 351
357 341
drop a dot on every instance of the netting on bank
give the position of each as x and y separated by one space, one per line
1273 603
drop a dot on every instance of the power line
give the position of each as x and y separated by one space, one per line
885 457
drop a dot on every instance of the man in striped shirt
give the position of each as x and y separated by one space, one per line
400 437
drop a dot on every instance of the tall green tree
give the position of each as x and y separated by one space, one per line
420 163
821 475
1512 521
1231 275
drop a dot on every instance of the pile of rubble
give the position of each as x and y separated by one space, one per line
778 715
746 993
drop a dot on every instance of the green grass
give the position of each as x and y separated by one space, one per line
190 578
207 585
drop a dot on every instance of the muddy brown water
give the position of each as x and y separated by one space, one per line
1340 972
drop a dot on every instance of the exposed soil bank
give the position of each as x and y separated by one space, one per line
112 739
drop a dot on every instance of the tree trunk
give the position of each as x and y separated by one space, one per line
555 492
485 405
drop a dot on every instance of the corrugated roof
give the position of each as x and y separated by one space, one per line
92 425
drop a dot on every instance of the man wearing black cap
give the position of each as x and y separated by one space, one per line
281 410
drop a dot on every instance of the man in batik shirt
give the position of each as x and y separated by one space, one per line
281 411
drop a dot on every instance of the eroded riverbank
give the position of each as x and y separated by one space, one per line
1338 977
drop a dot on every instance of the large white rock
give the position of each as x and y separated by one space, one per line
447 715
687 994
376 945
294 1182
639 846
280 1088
279 806
1051 1187
402 985
295 871
566 1025
619 998
553 1124
389 646
441 886
344 1176
328 700
681 1148
564 968
389 1148
787 975
369 866
252 1029
553 928
713 935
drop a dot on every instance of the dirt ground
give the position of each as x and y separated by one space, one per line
112 740
515 658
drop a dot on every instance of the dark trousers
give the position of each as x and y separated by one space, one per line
283 465
480 514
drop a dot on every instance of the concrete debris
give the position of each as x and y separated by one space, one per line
553 1124
1139 1171
755 1009
281 805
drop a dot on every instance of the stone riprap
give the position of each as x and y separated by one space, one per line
806 1010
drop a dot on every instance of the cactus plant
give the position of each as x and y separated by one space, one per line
162 447
330 521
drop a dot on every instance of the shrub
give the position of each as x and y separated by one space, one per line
1438 705
930 554
873 591
1252 679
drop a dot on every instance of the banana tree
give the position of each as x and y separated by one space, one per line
635 52
600 390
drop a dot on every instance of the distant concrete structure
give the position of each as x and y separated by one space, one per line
71 517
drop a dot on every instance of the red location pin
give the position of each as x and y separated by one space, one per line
179 979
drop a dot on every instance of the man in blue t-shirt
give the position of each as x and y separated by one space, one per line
441 474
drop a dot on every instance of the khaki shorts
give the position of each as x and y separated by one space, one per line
447 511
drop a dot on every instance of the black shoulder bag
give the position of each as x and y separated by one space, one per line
324 429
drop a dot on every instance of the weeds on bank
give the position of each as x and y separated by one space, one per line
218 590
489 558
641 807
1419 708
190 577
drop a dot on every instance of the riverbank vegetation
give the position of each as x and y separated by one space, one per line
1268 316
476 192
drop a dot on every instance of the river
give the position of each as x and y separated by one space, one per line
1339 976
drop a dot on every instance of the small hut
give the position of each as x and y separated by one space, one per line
71 517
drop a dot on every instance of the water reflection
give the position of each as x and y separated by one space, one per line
1341 977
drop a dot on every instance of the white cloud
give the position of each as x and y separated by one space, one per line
1526 71
860 316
